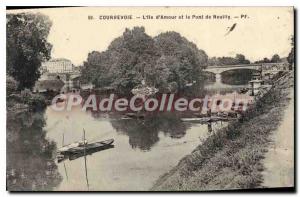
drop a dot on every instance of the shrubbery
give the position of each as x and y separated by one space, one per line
34 102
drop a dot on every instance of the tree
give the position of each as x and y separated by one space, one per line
227 60
184 60
26 46
241 59
213 61
291 55
135 56
238 59
160 73
275 58
265 60
123 64
11 85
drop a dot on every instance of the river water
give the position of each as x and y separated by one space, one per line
143 149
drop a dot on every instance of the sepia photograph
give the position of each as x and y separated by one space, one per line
150 99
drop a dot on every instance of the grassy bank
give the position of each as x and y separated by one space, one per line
232 157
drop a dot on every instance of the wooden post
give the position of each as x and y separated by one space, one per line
84 151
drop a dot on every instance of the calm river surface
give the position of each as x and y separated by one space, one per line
143 151
139 157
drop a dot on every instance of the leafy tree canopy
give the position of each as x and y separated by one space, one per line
274 59
291 55
219 61
135 56
26 46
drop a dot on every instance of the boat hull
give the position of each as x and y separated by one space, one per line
88 149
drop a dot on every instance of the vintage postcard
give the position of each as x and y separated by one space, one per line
150 98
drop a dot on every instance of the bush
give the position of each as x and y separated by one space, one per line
36 102
11 85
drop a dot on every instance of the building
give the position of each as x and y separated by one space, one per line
59 65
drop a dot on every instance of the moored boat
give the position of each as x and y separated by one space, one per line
72 145
91 146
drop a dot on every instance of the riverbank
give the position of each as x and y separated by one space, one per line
232 158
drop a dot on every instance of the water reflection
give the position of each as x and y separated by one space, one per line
143 134
145 148
238 76
30 158
229 81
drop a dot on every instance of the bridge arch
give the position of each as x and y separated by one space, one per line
220 70
238 76
223 68
237 68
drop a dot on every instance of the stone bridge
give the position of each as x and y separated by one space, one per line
266 69
220 69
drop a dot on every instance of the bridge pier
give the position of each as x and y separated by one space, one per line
218 78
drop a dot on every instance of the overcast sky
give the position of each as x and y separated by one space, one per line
264 32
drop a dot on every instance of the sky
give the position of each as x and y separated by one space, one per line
261 32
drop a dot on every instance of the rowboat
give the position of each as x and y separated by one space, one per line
91 146
200 120
208 119
78 154
88 149
72 145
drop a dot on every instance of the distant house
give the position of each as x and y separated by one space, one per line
59 65
48 85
